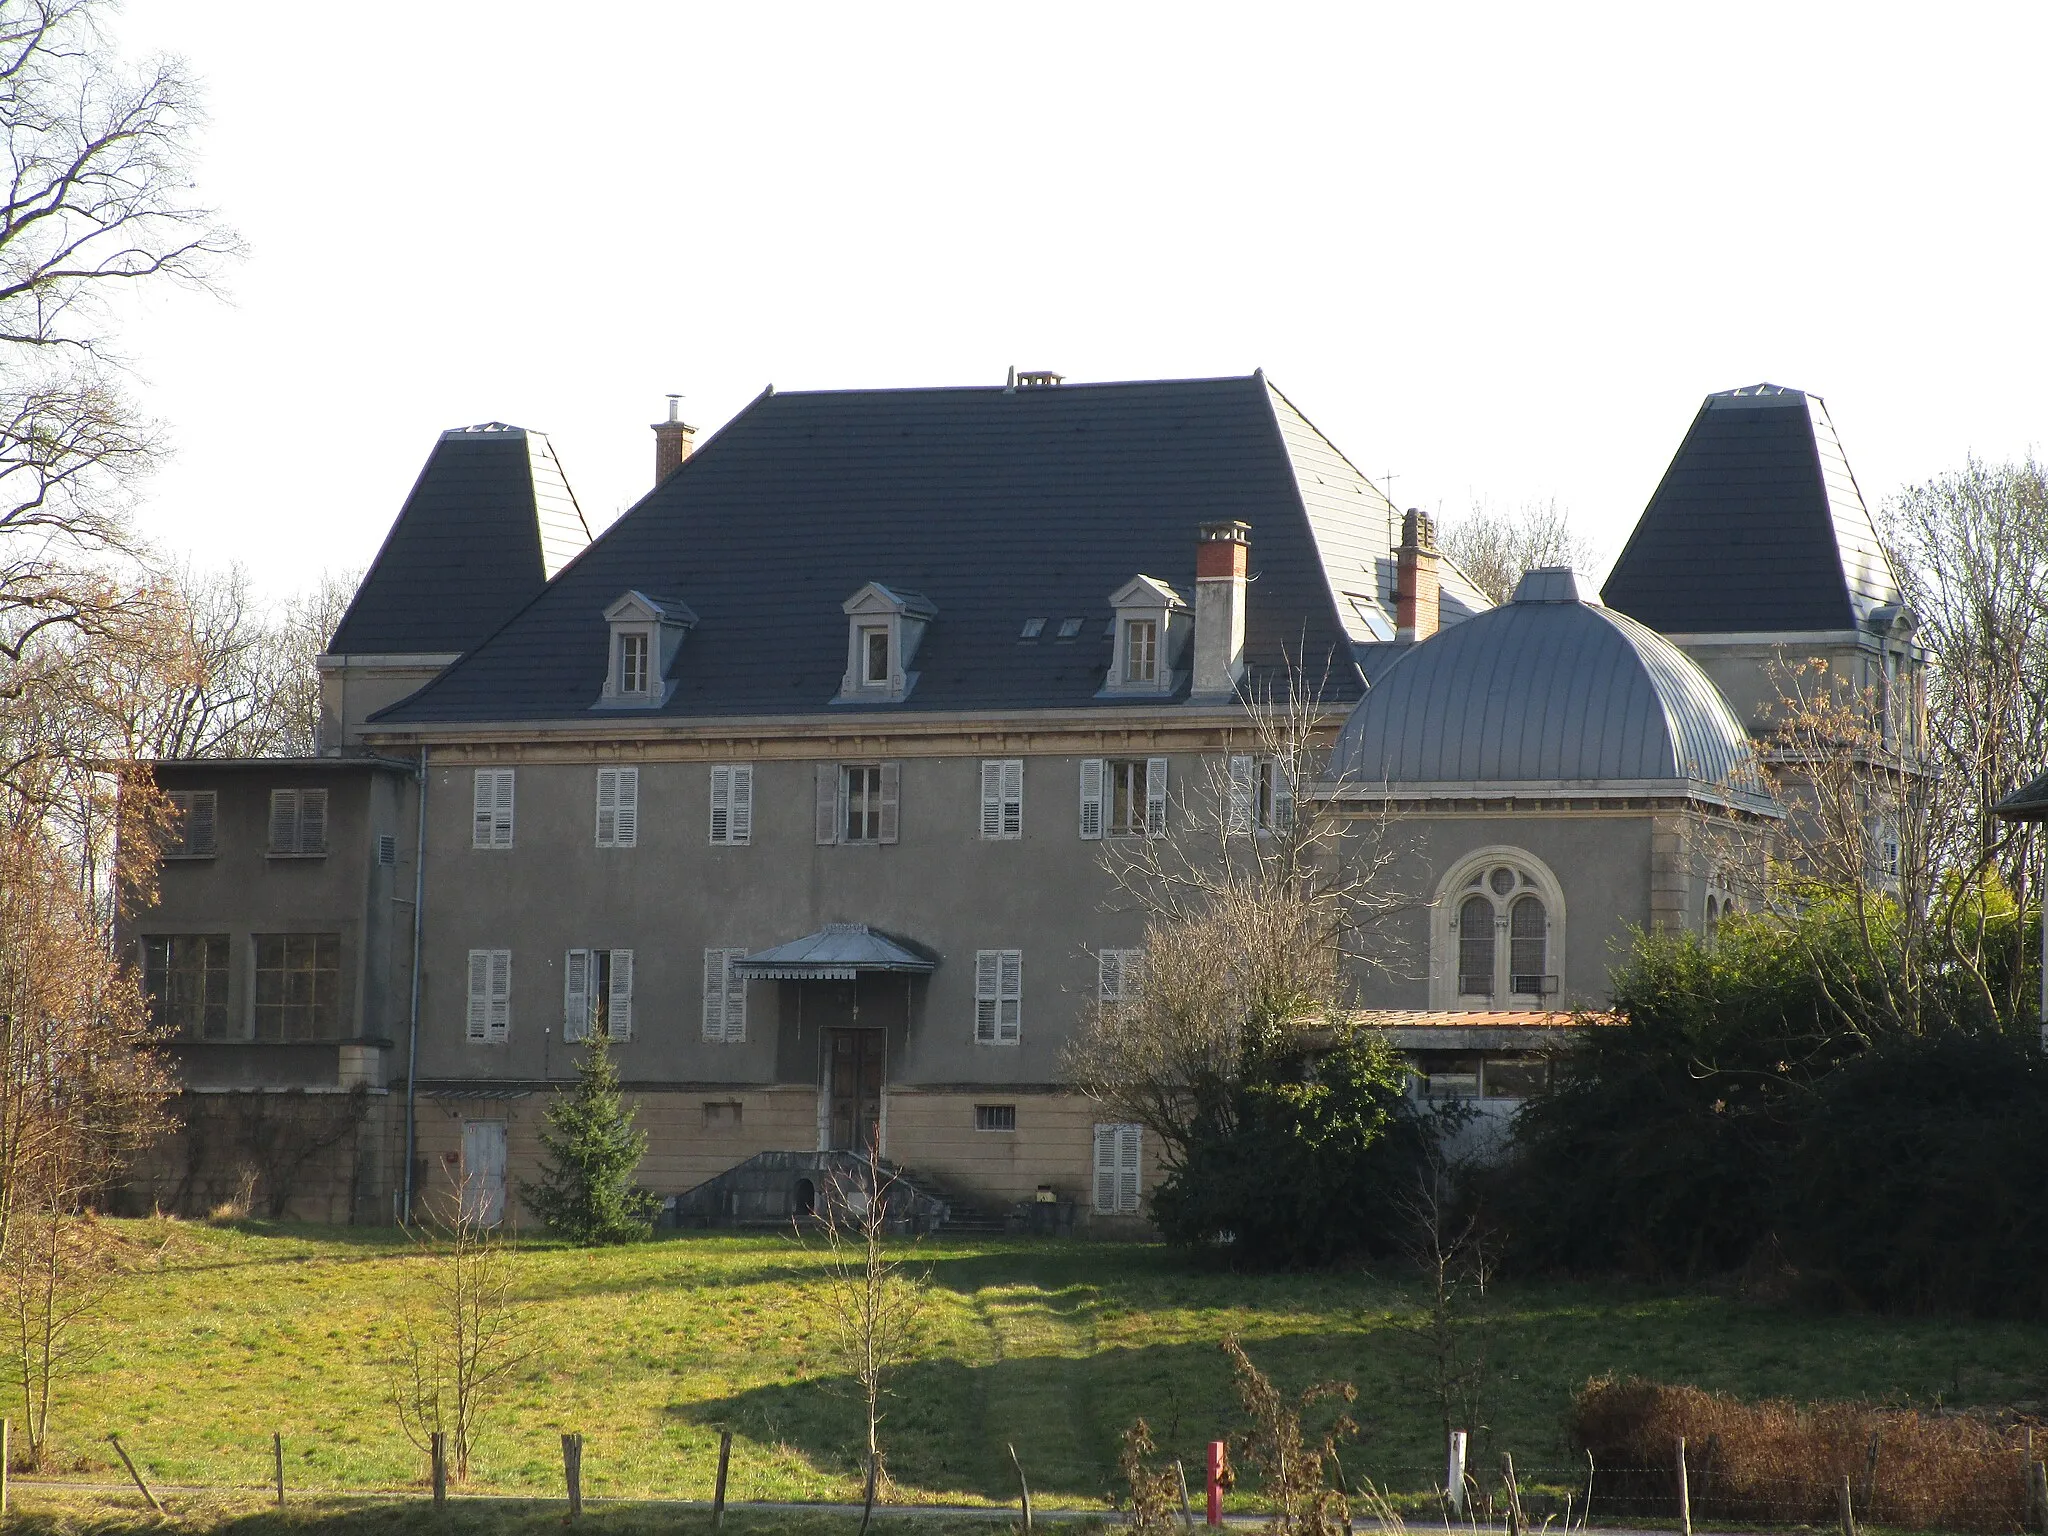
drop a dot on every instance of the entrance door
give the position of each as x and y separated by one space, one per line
483 1170
854 1089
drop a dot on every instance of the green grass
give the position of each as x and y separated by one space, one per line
649 1351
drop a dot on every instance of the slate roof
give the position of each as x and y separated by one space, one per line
999 506
2027 803
489 520
1757 526
836 952
1549 689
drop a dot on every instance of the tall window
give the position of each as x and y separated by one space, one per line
298 822
874 657
597 994
1119 1169
1123 797
1116 974
1141 650
998 996
857 802
861 794
1002 798
725 997
490 996
732 804
618 807
1502 935
186 977
298 986
491 809
198 816
632 663
1475 947
1261 796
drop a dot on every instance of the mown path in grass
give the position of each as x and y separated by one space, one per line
650 1351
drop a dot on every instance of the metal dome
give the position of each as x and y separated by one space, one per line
1554 690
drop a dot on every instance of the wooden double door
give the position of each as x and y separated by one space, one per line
853 1089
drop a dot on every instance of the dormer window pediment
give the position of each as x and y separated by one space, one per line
1149 635
884 627
644 634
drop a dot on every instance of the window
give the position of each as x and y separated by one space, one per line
297 995
632 662
998 996
1449 1077
298 822
1118 1150
723 1114
1033 628
186 977
1070 629
618 807
1500 933
732 804
1528 931
995 1117
874 651
1125 796
490 996
857 802
1002 799
492 809
1116 974
1261 796
198 814
1515 1077
725 997
1141 650
1475 947
597 994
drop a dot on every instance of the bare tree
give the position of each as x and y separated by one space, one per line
1494 546
55 1275
460 1341
1448 1249
873 1301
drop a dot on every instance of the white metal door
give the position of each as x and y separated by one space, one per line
483 1170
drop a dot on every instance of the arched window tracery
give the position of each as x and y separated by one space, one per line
1502 933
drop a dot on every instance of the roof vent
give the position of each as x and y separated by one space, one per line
1041 380
1549 584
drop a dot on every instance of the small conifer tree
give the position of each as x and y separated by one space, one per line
586 1190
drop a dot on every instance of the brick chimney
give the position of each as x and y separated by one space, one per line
673 440
1222 557
1416 607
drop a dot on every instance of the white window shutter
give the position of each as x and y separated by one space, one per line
607 807
892 791
479 994
714 993
735 999
1109 975
828 802
501 826
576 994
1155 797
284 821
1010 1014
1091 798
721 805
1283 796
991 799
628 807
621 1022
1013 797
742 803
499 1022
987 994
312 821
484 800
1128 1171
1242 789
1105 1168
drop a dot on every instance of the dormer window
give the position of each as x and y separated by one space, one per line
1150 631
645 634
884 629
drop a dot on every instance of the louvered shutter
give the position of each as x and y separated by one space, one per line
991 799
621 1023
1128 1173
284 820
742 803
1109 975
735 999
576 994
607 807
1105 1169
202 827
1243 788
629 807
479 994
1013 798
499 1023
312 821
892 790
717 976
1283 796
1155 797
828 802
1091 798
987 994
484 804
1010 1012
721 805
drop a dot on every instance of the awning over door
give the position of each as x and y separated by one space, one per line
836 952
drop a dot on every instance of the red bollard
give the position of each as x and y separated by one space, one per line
1215 1482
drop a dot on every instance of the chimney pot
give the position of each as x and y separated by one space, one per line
673 440
1222 562
1417 601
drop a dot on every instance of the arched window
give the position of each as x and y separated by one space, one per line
1501 933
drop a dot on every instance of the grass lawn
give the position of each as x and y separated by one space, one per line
649 1351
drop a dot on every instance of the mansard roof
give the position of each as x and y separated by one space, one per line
489 520
1757 526
997 505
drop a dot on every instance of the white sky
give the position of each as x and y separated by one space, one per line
1499 251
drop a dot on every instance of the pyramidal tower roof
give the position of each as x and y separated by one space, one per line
1757 526
489 522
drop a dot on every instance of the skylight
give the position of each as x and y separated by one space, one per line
1033 628
1069 628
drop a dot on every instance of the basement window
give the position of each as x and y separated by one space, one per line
995 1117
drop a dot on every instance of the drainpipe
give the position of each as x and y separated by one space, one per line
412 1045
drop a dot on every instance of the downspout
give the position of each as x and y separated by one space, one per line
412 1045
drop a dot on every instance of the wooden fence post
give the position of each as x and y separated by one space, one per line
2040 1485
1187 1511
277 1454
1454 1472
572 1471
1848 1509
1507 1472
1684 1492
1024 1487
718 1489
437 1442
122 1452
6 1460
